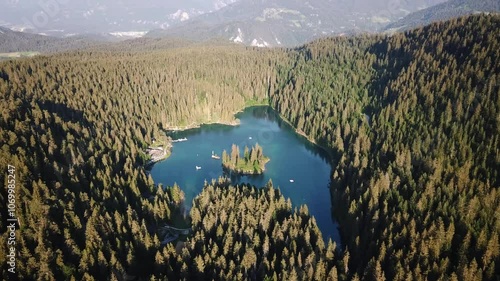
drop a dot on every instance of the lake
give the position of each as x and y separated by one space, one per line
293 158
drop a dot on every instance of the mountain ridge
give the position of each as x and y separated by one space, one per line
290 23
444 11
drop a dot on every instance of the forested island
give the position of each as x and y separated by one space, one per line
252 162
415 188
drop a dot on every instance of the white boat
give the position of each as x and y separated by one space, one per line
292 181
249 138
215 156
198 168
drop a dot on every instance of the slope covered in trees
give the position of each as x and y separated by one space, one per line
413 119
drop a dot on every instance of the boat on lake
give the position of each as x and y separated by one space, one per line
292 181
198 167
215 156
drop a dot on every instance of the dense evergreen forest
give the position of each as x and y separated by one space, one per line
76 126
253 161
244 233
413 119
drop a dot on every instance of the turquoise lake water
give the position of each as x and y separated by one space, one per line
292 158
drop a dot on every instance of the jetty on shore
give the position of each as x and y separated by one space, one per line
180 140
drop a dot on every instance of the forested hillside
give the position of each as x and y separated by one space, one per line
413 120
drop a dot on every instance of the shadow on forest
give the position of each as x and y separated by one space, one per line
64 112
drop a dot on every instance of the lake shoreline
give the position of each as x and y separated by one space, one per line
194 125
152 161
157 154
233 122
301 133
237 122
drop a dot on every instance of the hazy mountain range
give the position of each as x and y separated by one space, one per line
251 22
293 22
444 11
118 17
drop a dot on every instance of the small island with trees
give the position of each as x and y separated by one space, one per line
253 161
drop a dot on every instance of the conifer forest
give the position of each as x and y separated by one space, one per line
412 121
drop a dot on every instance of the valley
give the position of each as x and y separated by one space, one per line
406 187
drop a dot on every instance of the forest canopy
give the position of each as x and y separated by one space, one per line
413 120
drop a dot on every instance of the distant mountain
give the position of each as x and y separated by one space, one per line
249 22
292 22
444 11
14 41
63 18
20 42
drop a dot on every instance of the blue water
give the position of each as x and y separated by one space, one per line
292 158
